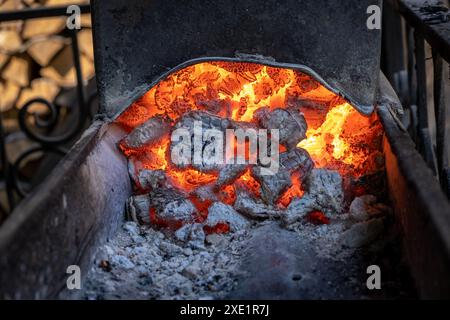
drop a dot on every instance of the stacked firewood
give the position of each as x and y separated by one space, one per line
36 58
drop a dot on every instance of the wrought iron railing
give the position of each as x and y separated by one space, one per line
47 135
408 27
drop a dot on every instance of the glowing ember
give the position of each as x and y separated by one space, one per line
338 136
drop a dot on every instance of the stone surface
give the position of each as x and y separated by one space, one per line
362 233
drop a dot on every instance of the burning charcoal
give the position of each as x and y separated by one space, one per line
171 206
244 125
138 209
298 161
229 173
289 121
220 213
151 131
272 185
208 121
323 193
147 180
362 233
206 192
254 208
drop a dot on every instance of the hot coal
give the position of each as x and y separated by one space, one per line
171 206
138 209
290 122
150 132
229 173
208 121
254 208
147 180
273 185
192 234
220 213
323 193
298 161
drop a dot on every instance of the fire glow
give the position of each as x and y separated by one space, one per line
338 136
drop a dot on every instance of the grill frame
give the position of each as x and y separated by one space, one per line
135 43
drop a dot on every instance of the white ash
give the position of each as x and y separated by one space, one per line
151 131
150 179
254 208
323 192
366 207
138 209
171 205
159 267
151 264
341 239
219 212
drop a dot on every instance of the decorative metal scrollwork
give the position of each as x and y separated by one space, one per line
45 131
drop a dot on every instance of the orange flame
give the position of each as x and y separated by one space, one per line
338 136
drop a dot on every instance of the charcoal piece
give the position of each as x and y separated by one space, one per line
366 207
206 192
219 213
254 208
192 234
197 237
273 185
150 132
171 205
146 180
297 161
182 234
229 173
208 121
290 122
138 209
323 192
362 233
244 125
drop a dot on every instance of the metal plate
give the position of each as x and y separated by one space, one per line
137 41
